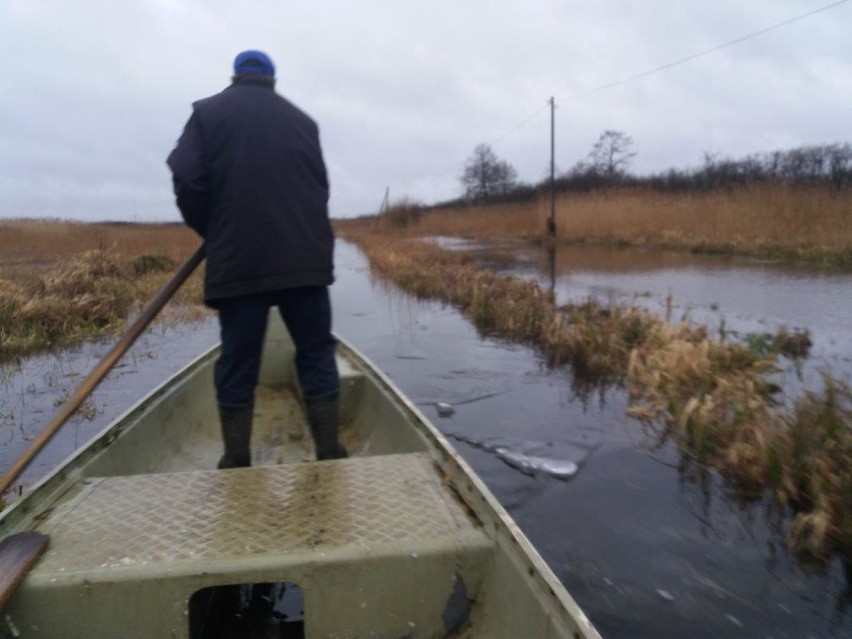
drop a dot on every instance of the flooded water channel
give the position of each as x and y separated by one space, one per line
646 551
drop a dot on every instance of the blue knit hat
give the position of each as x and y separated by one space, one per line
256 62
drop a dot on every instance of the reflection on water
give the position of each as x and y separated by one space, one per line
647 550
775 294
705 287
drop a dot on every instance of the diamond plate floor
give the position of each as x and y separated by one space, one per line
304 509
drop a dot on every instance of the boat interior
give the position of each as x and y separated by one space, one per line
395 541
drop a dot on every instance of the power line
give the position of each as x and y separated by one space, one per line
679 61
663 67
521 123
693 56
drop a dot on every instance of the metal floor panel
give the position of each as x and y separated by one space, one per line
307 509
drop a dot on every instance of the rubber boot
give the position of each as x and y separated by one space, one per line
324 419
236 435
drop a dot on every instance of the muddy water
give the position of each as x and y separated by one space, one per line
646 551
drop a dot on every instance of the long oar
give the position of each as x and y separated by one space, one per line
103 367
18 553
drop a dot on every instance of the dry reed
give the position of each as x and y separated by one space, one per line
61 282
777 221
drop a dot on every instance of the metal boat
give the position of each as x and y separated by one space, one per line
402 539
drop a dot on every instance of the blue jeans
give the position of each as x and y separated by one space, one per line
306 312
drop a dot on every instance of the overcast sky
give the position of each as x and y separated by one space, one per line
96 92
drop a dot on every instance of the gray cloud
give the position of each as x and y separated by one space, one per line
96 92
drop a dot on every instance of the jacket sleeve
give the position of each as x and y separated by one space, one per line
190 176
322 173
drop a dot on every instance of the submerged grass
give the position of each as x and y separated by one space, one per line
815 475
714 398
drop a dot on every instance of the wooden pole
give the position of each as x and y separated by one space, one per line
103 367
18 553
551 221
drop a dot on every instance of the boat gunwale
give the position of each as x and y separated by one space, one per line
64 472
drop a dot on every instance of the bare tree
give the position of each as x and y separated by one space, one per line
612 154
485 175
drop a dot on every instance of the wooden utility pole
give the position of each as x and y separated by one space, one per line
385 201
551 220
385 205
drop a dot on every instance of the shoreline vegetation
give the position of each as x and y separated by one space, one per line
714 399
65 282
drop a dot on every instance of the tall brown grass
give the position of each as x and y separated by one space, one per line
62 282
772 220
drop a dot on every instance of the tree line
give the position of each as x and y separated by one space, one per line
488 178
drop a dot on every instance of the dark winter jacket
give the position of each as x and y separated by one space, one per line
250 179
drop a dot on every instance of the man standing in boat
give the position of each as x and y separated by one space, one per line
249 178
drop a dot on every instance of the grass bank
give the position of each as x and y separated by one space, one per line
715 399
63 282
772 221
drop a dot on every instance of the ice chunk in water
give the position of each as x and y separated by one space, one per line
530 464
